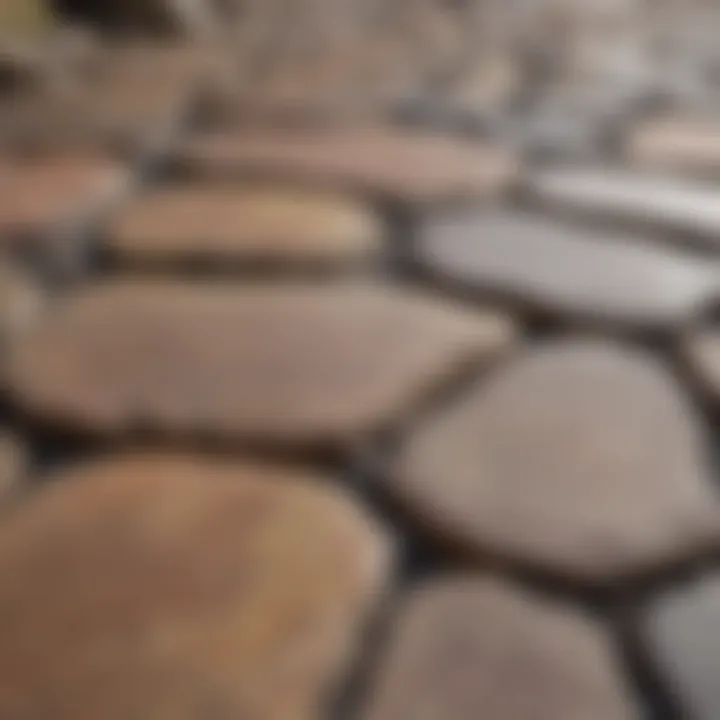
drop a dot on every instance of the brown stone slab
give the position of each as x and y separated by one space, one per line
243 225
466 648
571 273
581 459
160 586
43 193
288 364
405 166
680 144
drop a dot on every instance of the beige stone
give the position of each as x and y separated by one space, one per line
582 459
290 364
161 586
390 164
243 225
464 648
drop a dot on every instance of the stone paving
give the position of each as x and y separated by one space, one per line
400 414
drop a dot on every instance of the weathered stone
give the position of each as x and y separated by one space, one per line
41 194
403 166
581 459
680 632
467 648
243 225
151 587
676 206
566 271
297 365
685 144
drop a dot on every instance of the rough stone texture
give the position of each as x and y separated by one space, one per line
243 225
158 587
46 193
281 364
581 459
680 144
680 632
466 648
670 204
566 271
402 166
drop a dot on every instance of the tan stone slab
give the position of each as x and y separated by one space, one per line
298 365
684 144
581 459
42 193
160 586
465 648
569 272
405 166
243 225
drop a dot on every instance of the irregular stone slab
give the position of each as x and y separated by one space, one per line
581 459
41 194
468 648
151 587
300 365
402 166
565 271
680 632
243 225
684 144
678 206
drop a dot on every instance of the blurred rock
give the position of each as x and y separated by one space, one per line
151 587
132 100
464 644
582 459
413 168
686 211
292 365
689 145
680 633
46 202
221 226
565 271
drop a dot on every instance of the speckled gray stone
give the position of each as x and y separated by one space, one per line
566 271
